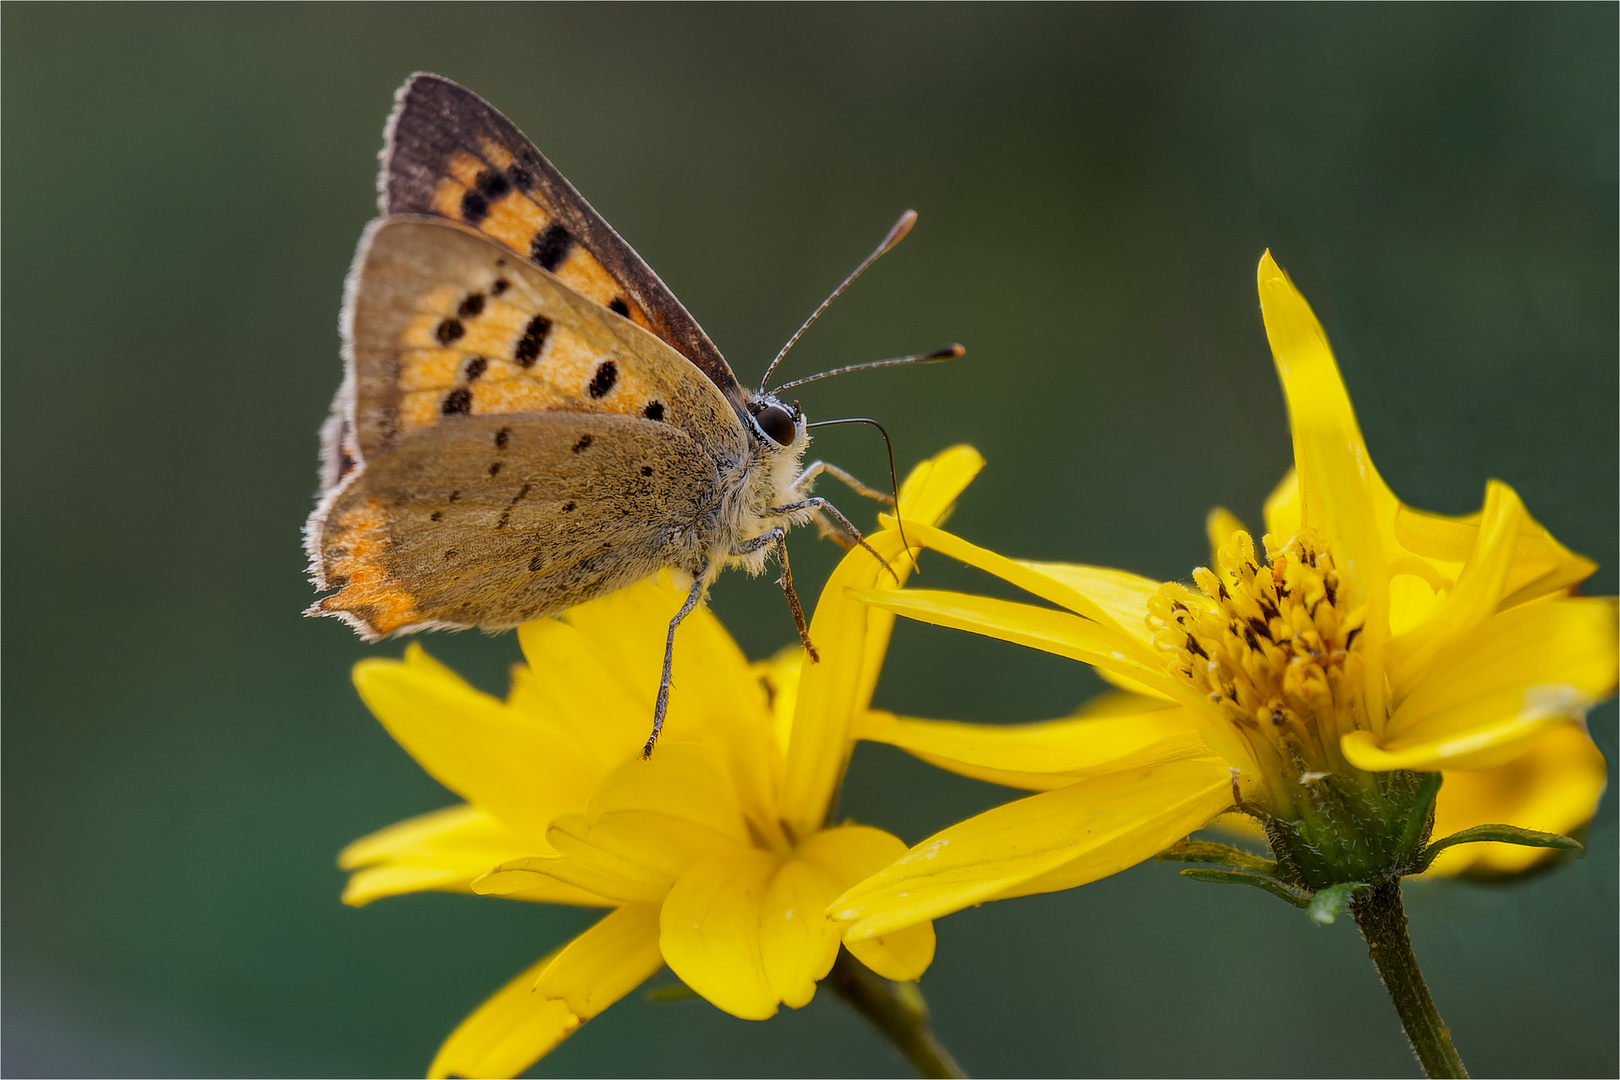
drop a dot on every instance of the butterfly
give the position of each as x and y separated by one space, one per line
529 418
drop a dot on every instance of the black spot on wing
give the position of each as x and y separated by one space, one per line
500 286
584 443
522 491
619 307
474 207
501 438
607 373
475 367
437 515
646 470
457 402
551 246
527 350
449 330
471 307
490 185
654 410
568 507
495 470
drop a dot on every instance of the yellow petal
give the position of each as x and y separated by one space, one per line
854 852
1416 591
496 757
540 1008
1554 787
853 639
798 943
1283 513
579 863
1493 690
602 665
1033 578
1088 830
1124 596
902 955
445 851
780 677
720 700
1340 489
930 490
568 678
1541 565
657 816
1473 599
1040 628
423 834
1053 753
1481 745
604 963
710 931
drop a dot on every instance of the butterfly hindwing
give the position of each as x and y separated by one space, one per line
489 523
452 154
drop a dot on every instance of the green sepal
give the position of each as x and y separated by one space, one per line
1329 903
1220 854
1280 889
670 993
1419 820
1499 834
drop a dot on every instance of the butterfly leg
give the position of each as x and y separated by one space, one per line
826 530
801 484
815 502
778 538
662 705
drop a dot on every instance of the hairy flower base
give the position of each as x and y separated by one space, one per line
1359 827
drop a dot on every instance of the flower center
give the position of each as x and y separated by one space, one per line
1271 644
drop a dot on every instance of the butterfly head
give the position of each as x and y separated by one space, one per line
777 425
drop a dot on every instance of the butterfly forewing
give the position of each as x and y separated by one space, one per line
444 324
453 155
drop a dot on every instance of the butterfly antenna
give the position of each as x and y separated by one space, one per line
894 478
896 234
949 352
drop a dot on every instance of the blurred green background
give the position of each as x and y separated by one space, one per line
184 755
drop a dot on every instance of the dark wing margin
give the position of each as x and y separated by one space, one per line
437 125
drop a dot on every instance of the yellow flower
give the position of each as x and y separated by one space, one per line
1314 686
714 857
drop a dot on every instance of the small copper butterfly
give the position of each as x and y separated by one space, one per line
528 417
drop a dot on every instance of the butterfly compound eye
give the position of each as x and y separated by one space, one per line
777 422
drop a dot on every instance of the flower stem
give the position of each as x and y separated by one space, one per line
1378 911
895 1009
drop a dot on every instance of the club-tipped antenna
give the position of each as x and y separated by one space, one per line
949 352
896 234
894 477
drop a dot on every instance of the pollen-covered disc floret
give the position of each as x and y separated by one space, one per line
1272 645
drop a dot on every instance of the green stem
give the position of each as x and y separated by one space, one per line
895 1009
1378 911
